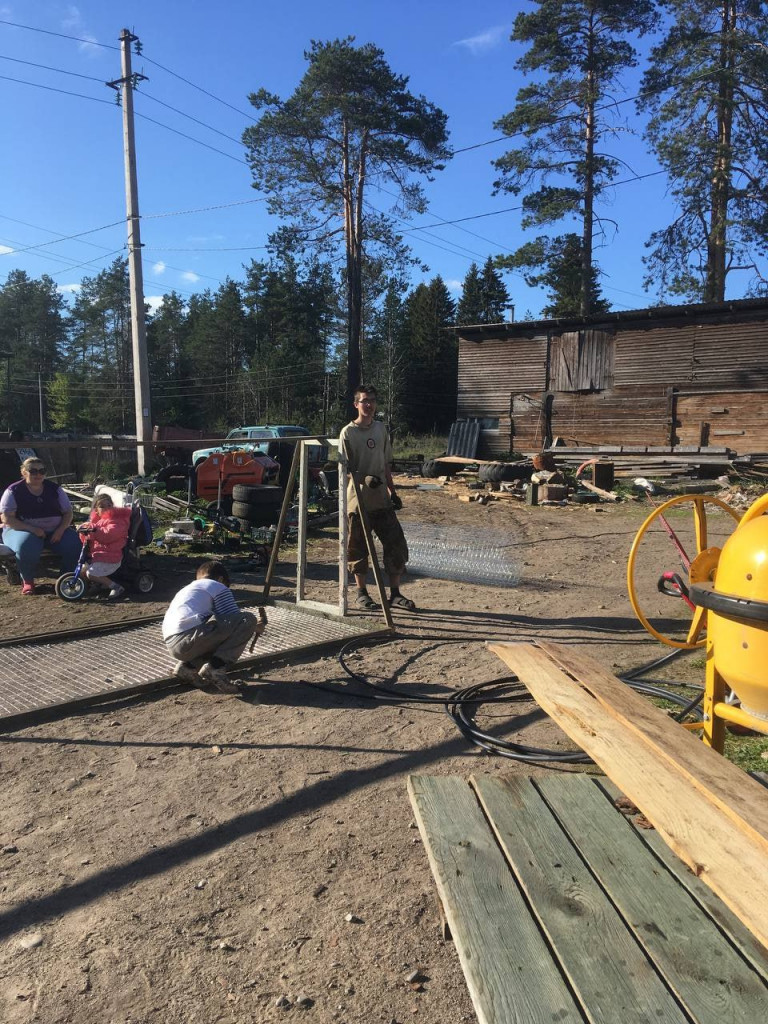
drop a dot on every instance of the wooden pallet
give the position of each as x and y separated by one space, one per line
563 909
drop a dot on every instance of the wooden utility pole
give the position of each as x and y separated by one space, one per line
125 86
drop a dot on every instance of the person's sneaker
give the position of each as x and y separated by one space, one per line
217 678
28 587
186 673
115 592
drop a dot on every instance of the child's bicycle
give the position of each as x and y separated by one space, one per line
71 586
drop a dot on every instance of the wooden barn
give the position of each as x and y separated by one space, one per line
675 376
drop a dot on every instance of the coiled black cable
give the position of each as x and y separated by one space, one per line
462 705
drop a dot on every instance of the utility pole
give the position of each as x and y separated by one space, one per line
124 87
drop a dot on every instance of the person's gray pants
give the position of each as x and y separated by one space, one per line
225 638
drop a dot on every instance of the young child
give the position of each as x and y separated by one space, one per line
107 529
206 631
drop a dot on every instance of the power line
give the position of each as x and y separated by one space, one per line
61 35
64 238
199 142
200 89
203 124
51 88
47 67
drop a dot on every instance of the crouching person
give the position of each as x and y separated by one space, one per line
205 630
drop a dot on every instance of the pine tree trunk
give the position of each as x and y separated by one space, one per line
714 288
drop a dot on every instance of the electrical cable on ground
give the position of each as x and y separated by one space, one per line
461 705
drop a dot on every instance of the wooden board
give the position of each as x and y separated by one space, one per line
709 812
547 889
615 982
506 962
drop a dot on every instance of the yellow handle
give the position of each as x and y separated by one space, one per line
755 510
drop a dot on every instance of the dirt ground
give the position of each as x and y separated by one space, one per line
184 857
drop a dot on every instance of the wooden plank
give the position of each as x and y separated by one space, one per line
615 982
609 495
509 970
698 962
712 905
710 812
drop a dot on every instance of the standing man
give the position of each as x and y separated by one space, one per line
365 442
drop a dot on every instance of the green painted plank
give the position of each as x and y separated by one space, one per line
741 937
615 981
698 963
509 970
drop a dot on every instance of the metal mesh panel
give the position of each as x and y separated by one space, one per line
38 675
460 553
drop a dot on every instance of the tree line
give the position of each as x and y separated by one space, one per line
267 349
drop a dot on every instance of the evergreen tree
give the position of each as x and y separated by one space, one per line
167 337
471 307
559 269
565 119
431 387
100 343
707 92
386 360
32 335
351 122
494 293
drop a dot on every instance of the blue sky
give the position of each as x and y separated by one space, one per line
62 161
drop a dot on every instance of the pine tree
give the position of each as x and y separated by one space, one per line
565 119
495 295
471 307
707 92
350 122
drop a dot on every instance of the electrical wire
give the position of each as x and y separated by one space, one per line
462 705
61 35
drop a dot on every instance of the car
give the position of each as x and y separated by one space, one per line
265 440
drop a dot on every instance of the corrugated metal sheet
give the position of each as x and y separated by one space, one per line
735 419
491 371
663 355
464 438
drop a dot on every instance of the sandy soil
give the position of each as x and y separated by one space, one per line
194 858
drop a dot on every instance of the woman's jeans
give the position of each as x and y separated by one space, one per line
28 547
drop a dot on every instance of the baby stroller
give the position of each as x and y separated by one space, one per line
71 586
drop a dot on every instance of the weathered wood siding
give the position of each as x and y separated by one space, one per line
620 416
736 419
610 385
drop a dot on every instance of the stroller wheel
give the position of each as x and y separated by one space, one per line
70 587
13 575
145 582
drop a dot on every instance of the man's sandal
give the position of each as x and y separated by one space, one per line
400 601
365 602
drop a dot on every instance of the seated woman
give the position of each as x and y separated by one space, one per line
36 513
108 531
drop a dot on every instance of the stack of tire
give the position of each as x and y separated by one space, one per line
433 468
256 506
498 472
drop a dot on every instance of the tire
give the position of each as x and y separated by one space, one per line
505 471
429 469
145 582
226 506
168 473
268 494
255 515
13 575
69 587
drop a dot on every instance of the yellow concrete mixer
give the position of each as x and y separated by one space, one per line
726 591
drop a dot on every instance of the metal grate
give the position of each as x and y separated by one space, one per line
44 675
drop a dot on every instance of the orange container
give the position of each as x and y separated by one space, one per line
233 468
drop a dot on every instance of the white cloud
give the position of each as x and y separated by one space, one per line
489 39
158 268
70 289
4 249
190 275
73 23
154 302
453 286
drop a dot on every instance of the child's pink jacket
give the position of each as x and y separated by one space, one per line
110 532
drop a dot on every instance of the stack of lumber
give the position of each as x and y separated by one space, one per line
707 810
650 461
